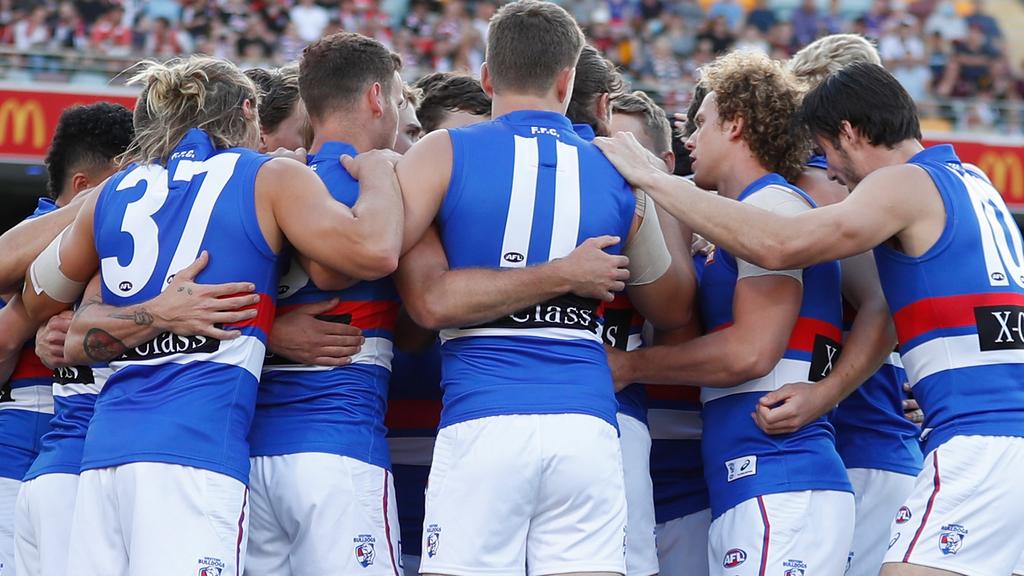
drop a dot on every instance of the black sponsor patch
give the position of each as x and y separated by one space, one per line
823 357
5 392
1000 327
73 375
617 326
168 344
567 311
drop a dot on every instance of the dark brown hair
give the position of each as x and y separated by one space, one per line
279 92
445 92
595 75
336 69
529 43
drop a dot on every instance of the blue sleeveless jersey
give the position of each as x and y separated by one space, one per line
26 403
337 410
526 189
741 461
959 309
414 411
175 399
677 471
871 431
75 389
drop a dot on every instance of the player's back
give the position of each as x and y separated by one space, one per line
526 189
176 399
958 309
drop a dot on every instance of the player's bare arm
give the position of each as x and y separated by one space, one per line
437 297
100 332
765 309
897 201
323 229
299 335
423 173
872 338
20 245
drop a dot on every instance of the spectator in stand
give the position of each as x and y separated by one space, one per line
310 19
662 67
903 53
718 33
874 19
730 10
807 22
946 22
32 33
970 69
781 40
833 22
680 35
752 40
988 25
938 58
69 31
110 35
164 40
762 17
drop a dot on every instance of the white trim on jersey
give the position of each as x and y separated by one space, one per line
375 351
415 451
519 222
894 359
951 352
668 424
565 228
31 399
552 333
246 352
786 371
65 390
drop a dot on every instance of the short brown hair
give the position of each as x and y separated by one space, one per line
278 91
655 121
751 86
445 92
595 75
529 42
336 69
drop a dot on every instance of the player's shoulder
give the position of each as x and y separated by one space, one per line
911 181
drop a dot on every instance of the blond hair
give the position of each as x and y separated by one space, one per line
655 121
825 56
751 86
194 92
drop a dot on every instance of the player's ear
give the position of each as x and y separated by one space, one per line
734 128
847 132
604 107
485 80
669 158
375 98
80 181
564 84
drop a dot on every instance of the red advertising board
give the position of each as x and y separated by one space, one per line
1002 158
28 116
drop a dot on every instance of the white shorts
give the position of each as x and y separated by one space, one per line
155 519
788 534
683 545
965 512
535 494
878 495
8 497
317 513
46 507
641 550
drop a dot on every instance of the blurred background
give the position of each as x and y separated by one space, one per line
962 60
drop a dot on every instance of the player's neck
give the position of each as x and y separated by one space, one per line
341 129
740 173
881 156
503 104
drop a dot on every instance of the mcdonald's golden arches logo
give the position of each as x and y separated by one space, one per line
1006 170
16 117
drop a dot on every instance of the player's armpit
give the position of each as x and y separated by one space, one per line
16 328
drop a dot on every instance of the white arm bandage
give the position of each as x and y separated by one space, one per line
47 276
778 200
648 254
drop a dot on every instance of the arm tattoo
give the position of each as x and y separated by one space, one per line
102 346
141 317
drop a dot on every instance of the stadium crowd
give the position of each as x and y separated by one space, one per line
939 49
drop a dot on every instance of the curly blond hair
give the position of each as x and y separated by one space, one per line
194 92
751 86
825 56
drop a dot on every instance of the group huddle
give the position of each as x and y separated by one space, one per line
518 345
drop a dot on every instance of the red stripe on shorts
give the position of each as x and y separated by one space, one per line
928 510
387 526
767 536
241 533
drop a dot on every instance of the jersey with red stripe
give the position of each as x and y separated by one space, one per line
674 419
959 309
26 404
740 460
871 431
525 189
335 410
414 413
622 327
177 399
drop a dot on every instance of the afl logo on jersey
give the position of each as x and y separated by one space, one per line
513 257
125 286
734 558
903 515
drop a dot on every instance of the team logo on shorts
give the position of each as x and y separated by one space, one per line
365 552
903 515
951 539
433 539
734 558
849 562
210 567
794 568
